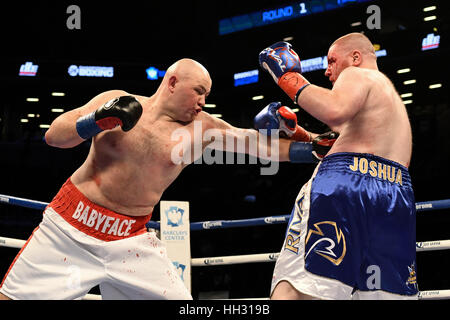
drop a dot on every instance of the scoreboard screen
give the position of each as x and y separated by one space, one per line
281 13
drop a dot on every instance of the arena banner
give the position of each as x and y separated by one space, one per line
175 234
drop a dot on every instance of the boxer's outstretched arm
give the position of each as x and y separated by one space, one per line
336 106
249 141
63 133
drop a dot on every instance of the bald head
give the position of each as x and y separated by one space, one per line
351 50
183 90
355 41
187 69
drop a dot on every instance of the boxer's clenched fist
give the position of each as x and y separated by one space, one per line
283 64
123 111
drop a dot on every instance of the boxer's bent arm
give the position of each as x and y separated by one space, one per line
63 133
335 107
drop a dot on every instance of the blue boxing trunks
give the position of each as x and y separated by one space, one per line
352 232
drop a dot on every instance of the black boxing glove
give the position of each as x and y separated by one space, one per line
123 111
323 143
310 152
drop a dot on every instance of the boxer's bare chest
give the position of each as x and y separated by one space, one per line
151 143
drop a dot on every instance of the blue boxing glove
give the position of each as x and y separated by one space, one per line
283 64
275 116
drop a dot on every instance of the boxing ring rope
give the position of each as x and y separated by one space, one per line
249 258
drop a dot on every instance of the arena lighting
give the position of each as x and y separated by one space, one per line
406 95
435 86
246 77
355 24
430 8
404 70
32 99
429 18
44 126
209 105
217 115
57 110
24 120
409 81
407 101
295 110
288 39
58 94
31 115
258 98
381 53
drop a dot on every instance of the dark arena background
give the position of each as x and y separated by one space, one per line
136 41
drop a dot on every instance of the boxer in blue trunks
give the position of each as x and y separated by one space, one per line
352 230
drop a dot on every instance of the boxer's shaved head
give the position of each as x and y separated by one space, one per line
184 89
187 68
355 41
353 49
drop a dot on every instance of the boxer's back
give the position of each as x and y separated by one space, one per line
381 126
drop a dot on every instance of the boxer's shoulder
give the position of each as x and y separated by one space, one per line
355 77
371 80
142 99
209 121
356 73
111 94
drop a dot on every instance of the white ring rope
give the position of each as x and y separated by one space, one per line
250 258
247 258
11 243
270 257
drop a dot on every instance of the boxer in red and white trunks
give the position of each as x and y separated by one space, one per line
80 244
93 232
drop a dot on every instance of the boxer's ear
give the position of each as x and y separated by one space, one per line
172 82
356 57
